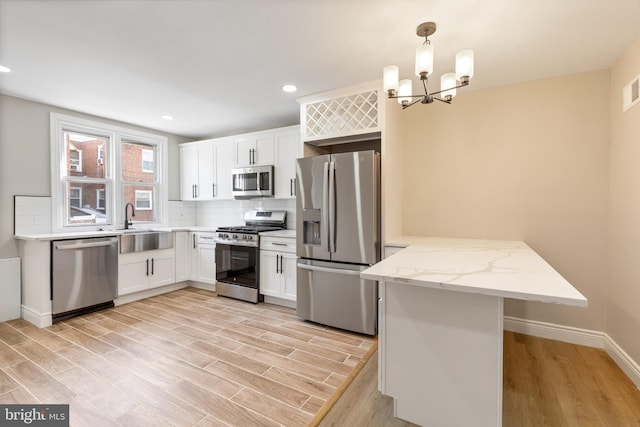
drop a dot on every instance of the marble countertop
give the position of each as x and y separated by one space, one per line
508 269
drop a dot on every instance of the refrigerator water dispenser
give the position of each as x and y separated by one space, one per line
311 226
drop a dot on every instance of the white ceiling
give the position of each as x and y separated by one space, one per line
218 66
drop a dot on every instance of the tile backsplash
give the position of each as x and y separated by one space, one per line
182 214
33 213
217 213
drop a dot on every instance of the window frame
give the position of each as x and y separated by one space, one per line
113 192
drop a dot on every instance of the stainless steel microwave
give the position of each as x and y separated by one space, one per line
253 181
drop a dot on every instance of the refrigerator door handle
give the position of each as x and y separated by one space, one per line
325 202
332 206
329 270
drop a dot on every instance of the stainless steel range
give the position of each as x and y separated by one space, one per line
237 254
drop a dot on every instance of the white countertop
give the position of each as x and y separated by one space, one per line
508 269
280 233
117 232
101 233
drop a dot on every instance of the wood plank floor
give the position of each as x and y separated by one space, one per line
546 383
187 358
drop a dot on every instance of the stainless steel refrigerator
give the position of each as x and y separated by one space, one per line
338 236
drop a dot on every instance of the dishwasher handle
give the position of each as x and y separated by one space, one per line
67 246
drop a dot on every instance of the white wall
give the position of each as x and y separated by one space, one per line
25 158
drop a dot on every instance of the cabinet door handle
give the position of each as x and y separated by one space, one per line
147 266
214 189
194 241
277 264
295 190
278 244
281 257
152 264
291 187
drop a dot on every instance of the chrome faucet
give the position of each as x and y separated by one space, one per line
127 220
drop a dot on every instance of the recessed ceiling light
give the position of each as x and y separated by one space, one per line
4 69
289 88
167 117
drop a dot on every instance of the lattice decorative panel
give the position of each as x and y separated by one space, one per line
340 116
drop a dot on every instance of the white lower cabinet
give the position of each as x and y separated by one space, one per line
138 271
183 256
203 258
278 267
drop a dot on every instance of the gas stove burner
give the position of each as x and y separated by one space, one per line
253 229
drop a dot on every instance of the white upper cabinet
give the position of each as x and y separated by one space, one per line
254 149
224 152
205 166
205 169
196 171
288 149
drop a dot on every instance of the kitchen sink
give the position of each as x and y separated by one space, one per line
145 240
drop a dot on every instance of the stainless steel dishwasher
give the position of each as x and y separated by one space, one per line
84 275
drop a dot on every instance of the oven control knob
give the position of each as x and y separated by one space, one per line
234 236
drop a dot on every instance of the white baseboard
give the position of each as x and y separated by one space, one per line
623 360
279 301
41 320
124 299
553 331
577 336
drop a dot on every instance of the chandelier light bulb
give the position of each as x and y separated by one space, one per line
390 78
448 84
464 65
404 91
424 60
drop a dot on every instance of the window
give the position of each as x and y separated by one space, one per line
75 197
143 200
139 180
147 160
100 199
100 155
98 168
75 159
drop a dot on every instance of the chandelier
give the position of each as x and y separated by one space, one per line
449 82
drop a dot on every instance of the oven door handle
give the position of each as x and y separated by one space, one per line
235 243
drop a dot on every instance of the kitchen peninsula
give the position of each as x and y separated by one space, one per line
441 323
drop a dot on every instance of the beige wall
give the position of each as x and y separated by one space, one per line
25 163
623 303
523 162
